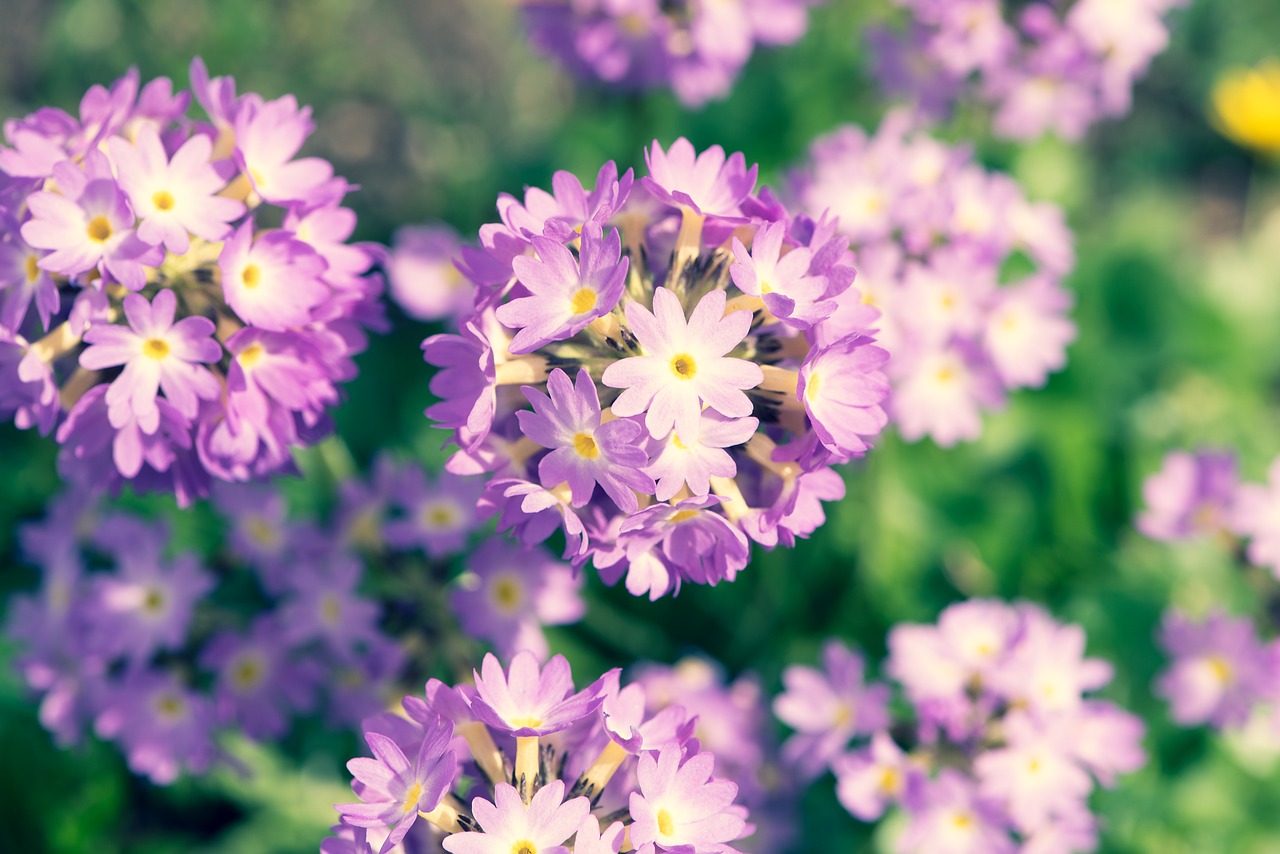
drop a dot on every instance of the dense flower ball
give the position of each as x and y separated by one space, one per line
663 371
694 47
177 296
1002 748
965 271
1056 67
545 768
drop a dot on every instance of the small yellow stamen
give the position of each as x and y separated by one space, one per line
331 610
439 515
506 593
170 707
247 674
945 375
252 276
684 366
411 799
811 386
163 200
583 300
1221 668
251 355
99 229
524 846
153 602
962 821
890 781
33 268
155 348
529 721
666 826
683 515
585 445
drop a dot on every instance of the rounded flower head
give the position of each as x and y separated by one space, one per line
139 284
655 363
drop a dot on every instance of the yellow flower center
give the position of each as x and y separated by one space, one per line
766 287
890 780
331 610
33 268
962 821
585 445
527 721
251 355
524 846
506 593
153 602
583 300
945 375
155 348
99 229
684 515
684 366
811 386
170 707
163 200
411 799
665 825
438 515
1221 668
247 674
252 276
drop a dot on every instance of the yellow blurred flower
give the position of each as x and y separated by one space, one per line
1246 104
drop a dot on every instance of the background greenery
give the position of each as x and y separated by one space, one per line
434 106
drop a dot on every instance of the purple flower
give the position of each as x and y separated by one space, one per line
781 281
1254 515
439 513
158 355
529 700
393 791
267 137
685 365
955 819
259 682
681 807
508 823
828 708
148 605
511 593
1192 494
566 293
678 465
1219 670
272 282
24 281
699 545
870 780
843 387
162 726
705 183
585 452
423 278
327 608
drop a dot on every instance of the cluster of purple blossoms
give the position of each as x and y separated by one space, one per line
933 234
148 312
696 48
686 345
1003 748
542 765
1221 673
1058 67
150 651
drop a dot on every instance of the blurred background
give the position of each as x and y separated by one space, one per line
435 106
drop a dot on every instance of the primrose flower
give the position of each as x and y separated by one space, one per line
1220 669
1254 517
1048 67
932 232
672 360
696 50
421 275
1192 494
1000 750
1246 106
137 289
570 777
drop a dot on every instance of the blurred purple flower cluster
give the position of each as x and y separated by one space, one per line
1222 672
148 312
542 763
1003 747
163 653
1057 67
696 48
686 345
965 271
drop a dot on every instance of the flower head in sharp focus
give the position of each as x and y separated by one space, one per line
696 50
137 288
573 787
931 232
633 318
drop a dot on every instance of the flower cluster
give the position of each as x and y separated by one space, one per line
1058 67
965 271
179 300
665 371
1004 748
164 654
543 764
696 49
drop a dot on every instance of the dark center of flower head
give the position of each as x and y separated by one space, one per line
163 200
155 348
683 366
99 229
524 846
